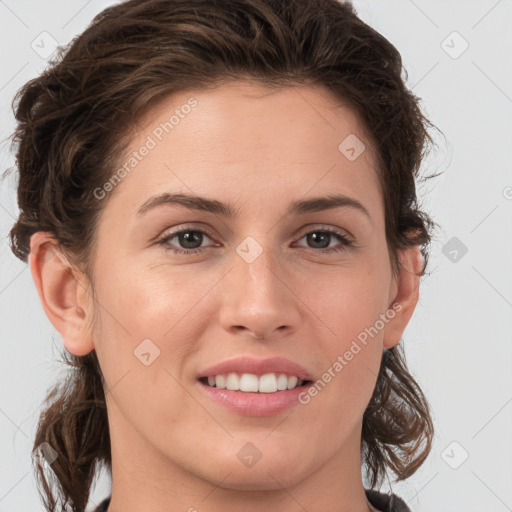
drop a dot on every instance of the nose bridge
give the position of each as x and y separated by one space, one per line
259 299
258 268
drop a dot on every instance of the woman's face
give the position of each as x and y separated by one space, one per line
265 281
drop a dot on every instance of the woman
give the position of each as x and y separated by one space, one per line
218 208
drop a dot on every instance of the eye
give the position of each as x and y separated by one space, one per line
324 236
191 240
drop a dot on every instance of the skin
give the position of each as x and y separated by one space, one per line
258 149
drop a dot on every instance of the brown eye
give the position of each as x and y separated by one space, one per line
190 241
320 239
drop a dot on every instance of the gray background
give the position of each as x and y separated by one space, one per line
458 343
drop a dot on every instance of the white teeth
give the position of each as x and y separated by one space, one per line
292 382
248 382
251 383
220 381
282 382
268 383
232 382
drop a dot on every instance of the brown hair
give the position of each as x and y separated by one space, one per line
74 121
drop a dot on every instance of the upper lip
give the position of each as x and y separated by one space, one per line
257 366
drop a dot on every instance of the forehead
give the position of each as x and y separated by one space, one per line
245 141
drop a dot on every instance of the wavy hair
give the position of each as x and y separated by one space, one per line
68 139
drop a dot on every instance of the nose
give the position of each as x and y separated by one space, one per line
259 298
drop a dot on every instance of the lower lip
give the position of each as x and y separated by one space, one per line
255 404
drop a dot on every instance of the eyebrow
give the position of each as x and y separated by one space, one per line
300 207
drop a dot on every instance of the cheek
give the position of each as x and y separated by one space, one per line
349 312
344 388
149 301
142 342
347 301
144 310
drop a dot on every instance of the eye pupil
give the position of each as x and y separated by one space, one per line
186 239
316 235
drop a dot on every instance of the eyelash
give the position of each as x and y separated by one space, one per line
346 243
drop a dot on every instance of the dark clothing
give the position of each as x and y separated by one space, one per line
386 502
102 507
381 501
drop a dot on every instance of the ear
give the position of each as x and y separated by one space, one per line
63 293
404 295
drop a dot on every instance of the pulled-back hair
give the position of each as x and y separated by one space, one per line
75 119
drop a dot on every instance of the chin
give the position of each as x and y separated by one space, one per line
270 472
250 480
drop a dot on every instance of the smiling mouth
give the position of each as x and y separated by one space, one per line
250 383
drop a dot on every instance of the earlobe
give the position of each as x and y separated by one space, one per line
407 295
59 287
